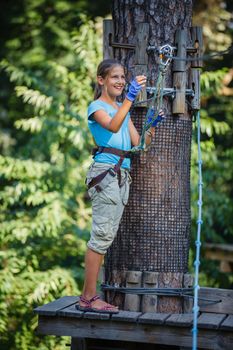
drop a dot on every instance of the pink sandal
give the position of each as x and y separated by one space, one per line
108 308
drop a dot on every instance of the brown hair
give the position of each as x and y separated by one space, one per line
103 69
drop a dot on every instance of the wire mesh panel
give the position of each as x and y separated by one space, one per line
155 228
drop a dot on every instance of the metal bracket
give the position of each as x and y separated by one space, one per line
155 48
170 92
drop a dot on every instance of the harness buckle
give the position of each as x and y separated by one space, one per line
98 188
112 172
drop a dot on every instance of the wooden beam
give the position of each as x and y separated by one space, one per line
216 300
53 307
108 35
141 57
179 72
133 280
180 320
126 316
179 84
149 302
153 318
78 344
135 332
70 311
187 302
197 41
210 320
227 324
194 84
181 52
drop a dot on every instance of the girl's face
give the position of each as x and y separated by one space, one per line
113 84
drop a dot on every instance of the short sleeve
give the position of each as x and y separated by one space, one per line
92 108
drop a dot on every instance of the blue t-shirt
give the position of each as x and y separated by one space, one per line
106 138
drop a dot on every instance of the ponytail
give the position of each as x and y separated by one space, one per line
97 91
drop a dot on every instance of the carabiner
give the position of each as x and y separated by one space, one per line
166 51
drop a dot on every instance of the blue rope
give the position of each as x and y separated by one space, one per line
198 240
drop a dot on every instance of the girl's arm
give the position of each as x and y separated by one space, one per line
113 124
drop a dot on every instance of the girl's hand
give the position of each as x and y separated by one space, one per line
135 86
141 80
157 120
161 113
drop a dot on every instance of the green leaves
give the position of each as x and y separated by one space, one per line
33 97
212 81
44 216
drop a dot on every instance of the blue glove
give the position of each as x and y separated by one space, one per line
151 116
134 89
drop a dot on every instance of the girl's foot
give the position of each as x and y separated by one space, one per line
95 304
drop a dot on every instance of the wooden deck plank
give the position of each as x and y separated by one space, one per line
227 323
180 320
210 320
96 316
126 316
56 305
153 318
221 300
70 311
135 332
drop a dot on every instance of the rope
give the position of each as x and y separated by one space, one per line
157 100
198 240
153 110
147 291
178 292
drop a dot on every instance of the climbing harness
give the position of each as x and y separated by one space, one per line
113 171
198 240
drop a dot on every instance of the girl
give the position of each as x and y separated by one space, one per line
108 177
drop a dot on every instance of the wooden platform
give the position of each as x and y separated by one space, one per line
215 324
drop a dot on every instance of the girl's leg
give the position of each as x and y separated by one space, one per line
93 262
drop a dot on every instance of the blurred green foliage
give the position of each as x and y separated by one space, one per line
47 77
50 50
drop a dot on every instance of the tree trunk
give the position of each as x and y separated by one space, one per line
155 228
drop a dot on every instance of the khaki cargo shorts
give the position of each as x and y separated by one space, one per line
107 206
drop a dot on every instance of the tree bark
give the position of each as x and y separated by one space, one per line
155 228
